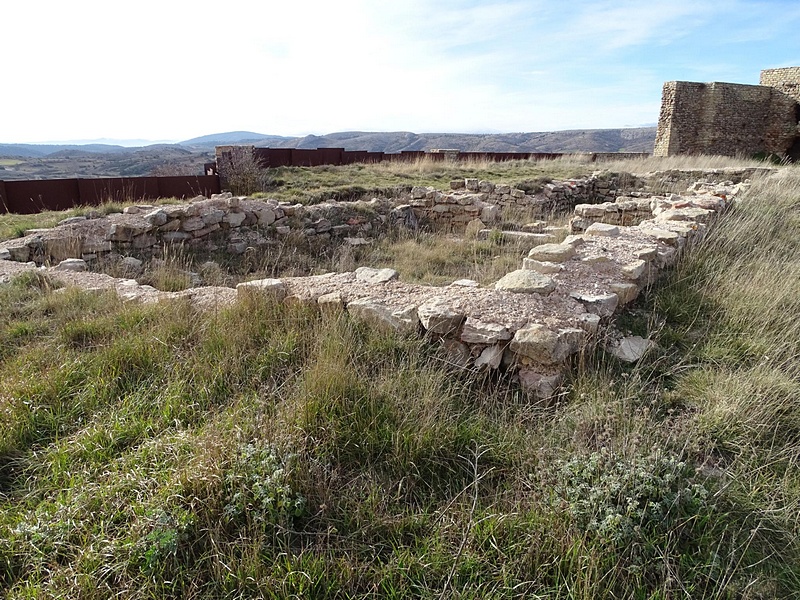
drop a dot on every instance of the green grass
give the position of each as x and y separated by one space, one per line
271 451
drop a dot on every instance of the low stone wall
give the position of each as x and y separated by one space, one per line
697 205
531 322
471 199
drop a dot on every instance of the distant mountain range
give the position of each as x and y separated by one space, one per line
639 139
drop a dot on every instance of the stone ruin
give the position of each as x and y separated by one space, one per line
531 322
732 119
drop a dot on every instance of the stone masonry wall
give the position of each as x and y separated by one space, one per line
724 118
787 80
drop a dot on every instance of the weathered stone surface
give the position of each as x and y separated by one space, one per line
71 221
545 346
662 235
331 303
72 264
234 219
370 275
627 292
543 267
21 253
589 322
457 354
541 387
646 254
525 281
131 264
157 217
213 217
490 357
602 229
632 349
602 305
466 283
634 269
403 320
476 331
552 253
5 254
439 318
193 224
123 232
270 287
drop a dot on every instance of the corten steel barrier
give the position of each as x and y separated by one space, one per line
32 196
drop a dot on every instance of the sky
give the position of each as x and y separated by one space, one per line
175 69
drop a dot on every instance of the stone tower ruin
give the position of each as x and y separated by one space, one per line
732 119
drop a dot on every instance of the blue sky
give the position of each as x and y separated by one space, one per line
175 69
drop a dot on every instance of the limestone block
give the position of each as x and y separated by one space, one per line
646 254
131 264
21 253
574 240
590 210
552 252
270 287
212 218
175 212
662 235
123 232
71 221
193 224
457 354
541 387
403 320
501 189
543 267
265 215
234 219
457 184
627 292
471 184
144 241
545 346
490 357
517 194
172 225
631 349
5 254
466 283
439 318
331 303
198 233
157 217
419 191
72 264
634 270
602 230
602 305
525 281
589 322
486 187
476 331
527 240
370 275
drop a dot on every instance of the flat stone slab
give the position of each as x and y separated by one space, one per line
525 281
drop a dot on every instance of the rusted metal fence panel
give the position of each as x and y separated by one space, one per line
32 196
28 197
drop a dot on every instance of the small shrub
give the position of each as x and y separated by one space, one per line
258 490
625 501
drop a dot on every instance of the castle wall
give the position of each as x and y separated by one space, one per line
724 118
786 80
